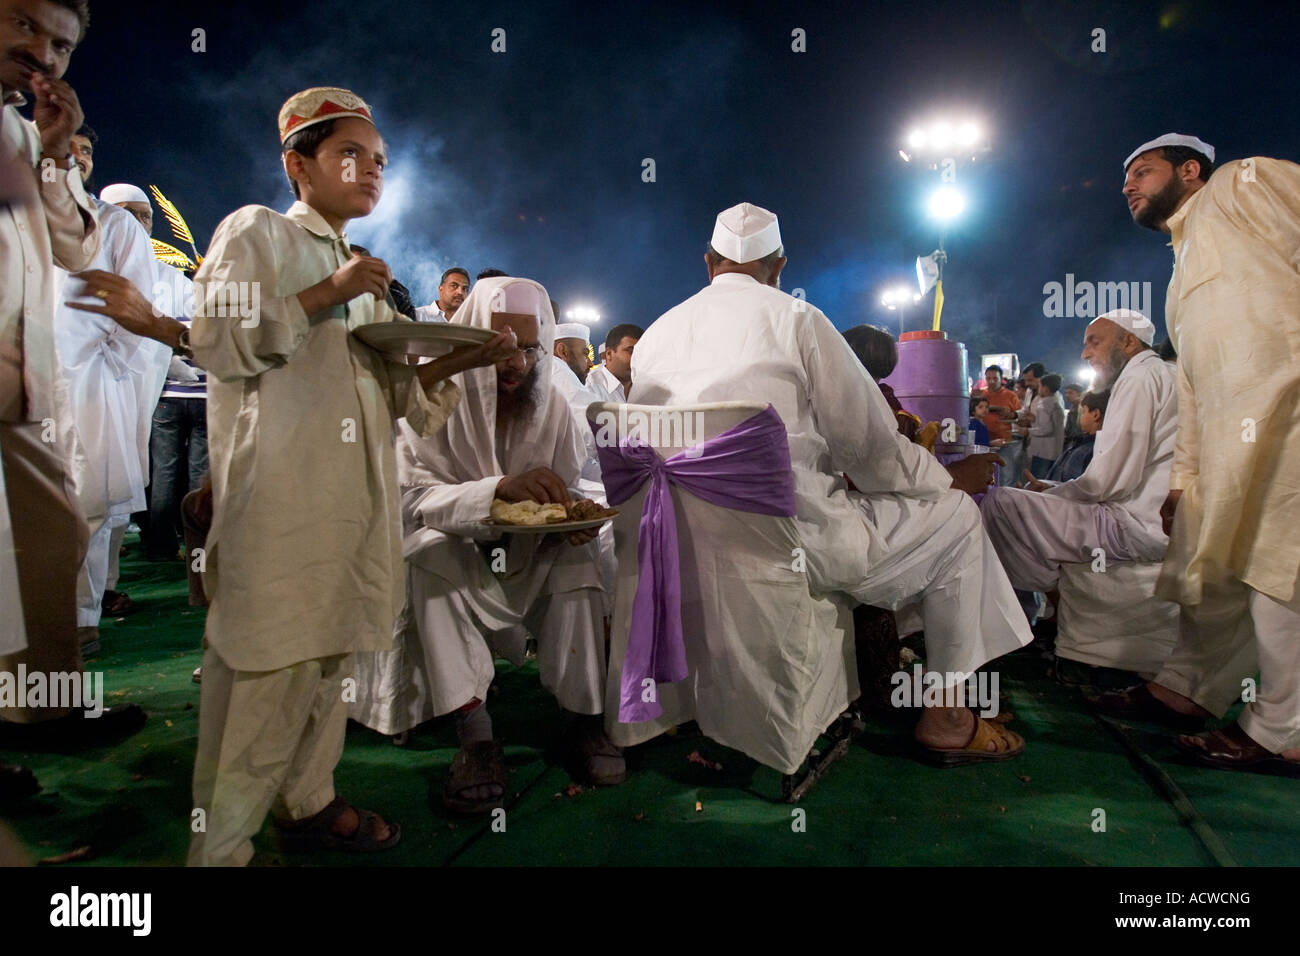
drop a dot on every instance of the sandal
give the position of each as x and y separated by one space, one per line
116 604
1233 749
1007 744
591 752
478 764
317 833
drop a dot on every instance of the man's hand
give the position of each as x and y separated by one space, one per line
579 538
57 114
1168 509
125 305
357 276
1027 418
974 473
538 484
1032 483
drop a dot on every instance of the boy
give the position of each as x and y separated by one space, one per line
1078 451
979 408
1046 421
303 561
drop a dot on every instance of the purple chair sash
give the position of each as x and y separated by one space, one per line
746 468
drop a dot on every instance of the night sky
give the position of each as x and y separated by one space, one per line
531 160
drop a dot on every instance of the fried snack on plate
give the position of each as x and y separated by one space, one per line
526 512
586 510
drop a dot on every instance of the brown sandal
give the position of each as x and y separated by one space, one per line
479 764
317 832
1231 748
1007 744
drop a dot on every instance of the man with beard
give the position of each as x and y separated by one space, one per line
1233 310
1113 504
475 595
452 289
57 225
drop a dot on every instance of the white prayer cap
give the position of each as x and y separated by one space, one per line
1172 139
746 232
122 192
1131 321
573 330
519 298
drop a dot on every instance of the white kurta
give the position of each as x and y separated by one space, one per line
905 534
304 558
108 372
1047 431
1114 505
464 598
13 635
1233 310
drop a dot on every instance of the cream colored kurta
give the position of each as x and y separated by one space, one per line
1233 310
304 559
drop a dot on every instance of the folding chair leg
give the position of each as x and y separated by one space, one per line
847 727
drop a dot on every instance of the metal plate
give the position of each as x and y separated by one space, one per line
430 339
560 527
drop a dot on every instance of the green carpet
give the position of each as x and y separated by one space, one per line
878 806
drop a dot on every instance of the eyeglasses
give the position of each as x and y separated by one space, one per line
533 353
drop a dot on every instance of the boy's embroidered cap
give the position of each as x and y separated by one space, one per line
317 105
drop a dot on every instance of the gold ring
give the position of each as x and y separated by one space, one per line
102 294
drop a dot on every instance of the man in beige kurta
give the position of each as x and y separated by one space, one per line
1233 311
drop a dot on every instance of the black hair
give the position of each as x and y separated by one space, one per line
491 274
87 132
1052 381
1167 351
993 368
874 348
1177 155
306 142
453 269
1097 401
1077 388
620 332
1033 368
82 9
767 261
975 401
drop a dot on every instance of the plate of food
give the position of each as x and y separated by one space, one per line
429 339
531 517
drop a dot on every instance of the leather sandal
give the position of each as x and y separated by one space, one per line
1231 748
317 832
478 764
1138 703
1007 745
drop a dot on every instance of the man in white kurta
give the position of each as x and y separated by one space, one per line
110 375
1114 505
474 593
1233 310
905 534
49 222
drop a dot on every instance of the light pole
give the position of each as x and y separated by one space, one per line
898 299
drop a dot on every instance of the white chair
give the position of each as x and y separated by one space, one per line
771 666
1113 618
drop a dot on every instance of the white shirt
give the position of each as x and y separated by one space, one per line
782 350
602 383
578 397
429 313
1129 471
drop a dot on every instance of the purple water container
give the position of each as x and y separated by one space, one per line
930 381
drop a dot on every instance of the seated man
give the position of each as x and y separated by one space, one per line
475 595
1115 504
909 533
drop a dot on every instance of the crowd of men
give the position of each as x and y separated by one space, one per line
381 573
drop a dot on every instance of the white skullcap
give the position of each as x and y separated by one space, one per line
573 330
1172 139
520 298
122 192
746 232
1131 321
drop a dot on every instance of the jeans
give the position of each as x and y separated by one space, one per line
178 454
1039 467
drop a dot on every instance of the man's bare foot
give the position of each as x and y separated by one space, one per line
1177 702
346 823
945 728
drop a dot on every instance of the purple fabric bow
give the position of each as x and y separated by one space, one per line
746 468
